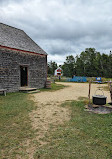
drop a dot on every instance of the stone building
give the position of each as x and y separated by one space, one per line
22 61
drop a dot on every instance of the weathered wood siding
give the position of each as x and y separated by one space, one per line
10 62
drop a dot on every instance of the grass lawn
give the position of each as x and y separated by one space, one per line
15 126
54 87
85 136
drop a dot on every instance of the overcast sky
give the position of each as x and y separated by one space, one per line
62 27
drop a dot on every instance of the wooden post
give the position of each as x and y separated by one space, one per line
89 91
5 93
109 85
110 89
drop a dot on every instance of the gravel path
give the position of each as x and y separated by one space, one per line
73 92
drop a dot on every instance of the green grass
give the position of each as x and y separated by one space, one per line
85 136
54 87
15 126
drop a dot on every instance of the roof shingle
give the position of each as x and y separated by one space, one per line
18 39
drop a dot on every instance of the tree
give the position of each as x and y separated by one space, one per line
52 66
91 63
68 66
87 63
110 65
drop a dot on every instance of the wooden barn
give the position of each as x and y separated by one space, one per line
22 62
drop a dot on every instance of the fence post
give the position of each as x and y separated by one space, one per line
89 91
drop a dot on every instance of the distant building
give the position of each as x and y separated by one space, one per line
22 61
58 72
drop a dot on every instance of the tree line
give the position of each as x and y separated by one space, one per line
89 63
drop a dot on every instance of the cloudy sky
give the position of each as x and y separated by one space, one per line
62 27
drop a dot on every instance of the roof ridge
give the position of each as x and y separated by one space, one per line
11 26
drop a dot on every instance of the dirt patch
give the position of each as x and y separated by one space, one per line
43 118
101 109
73 92
46 117
49 113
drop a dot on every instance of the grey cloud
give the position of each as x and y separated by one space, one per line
6 2
62 27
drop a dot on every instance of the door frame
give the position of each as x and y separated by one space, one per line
20 74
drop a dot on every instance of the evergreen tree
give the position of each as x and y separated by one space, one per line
68 67
52 66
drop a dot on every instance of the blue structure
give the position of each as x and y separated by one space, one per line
98 80
77 79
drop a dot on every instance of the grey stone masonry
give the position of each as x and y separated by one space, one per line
10 62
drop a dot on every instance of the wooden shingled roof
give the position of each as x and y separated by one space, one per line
15 38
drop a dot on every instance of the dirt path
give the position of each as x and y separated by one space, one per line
49 112
73 92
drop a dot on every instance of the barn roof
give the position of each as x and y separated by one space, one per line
18 39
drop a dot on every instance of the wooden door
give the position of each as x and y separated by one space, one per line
24 76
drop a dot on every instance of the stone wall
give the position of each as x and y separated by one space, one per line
10 62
